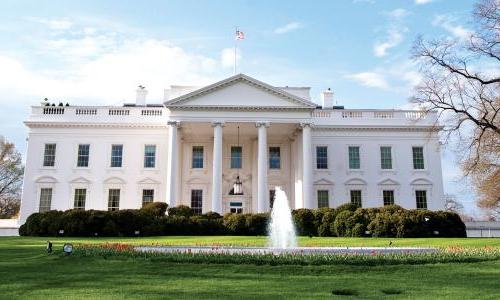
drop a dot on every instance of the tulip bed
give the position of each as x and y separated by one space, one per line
374 258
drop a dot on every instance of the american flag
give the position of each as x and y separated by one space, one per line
239 35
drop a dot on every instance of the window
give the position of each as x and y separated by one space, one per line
354 161
272 193
385 158
421 197
274 158
235 207
113 199
83 155
356 197
147 196
80 197
197 162
49 155
45 199
116 156
321 157
197 201
323 198
418 158
388 196
236 152
149 156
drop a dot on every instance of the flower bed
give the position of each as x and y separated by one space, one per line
446 255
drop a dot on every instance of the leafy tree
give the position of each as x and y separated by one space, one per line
11 177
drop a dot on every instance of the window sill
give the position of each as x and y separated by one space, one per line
387 171
48 168
355 171
420 171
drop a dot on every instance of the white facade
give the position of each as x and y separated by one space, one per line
204 123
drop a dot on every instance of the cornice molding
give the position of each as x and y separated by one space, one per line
93 125
239 108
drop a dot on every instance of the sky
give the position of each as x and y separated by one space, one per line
97 52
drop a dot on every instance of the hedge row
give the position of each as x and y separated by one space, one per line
346 220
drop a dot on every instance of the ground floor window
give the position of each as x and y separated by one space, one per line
421 198
147 196
272 193
322 198
113 199
45 199
197 201
356 197
388 196
80 197
236 207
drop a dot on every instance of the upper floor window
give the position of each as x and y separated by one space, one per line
356 197
49 155
236 157
83 155
197 159
321 157
421 198
147 196
386 157
80 197
149 156
113 199
323 198
116 156
388 196
45 199
418 158
274 158
197 201
354 159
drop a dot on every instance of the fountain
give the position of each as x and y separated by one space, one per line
281 230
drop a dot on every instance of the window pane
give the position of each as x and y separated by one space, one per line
114 199
356 197
236 157
354 162
49 155
147 196
385 158
323 198
197 201
45 199
322 157
274 158
83 155
388 197
149 156
197 162
421 197
418 158
116 156
80 197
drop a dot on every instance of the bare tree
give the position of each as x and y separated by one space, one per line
461 80
11 174
451 204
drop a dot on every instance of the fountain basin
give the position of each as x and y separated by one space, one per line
285 251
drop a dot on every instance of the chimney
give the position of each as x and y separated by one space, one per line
327 99
140 99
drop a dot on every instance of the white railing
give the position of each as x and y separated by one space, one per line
352 114
373 116
119 112
53 110
151 112
86 111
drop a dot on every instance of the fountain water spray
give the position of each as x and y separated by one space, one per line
281 230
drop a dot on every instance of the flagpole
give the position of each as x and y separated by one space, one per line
235 51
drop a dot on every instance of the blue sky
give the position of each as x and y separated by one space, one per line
97 52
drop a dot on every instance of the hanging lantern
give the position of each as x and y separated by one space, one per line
238 186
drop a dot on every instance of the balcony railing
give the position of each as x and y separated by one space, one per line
383 117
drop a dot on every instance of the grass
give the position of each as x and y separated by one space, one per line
26 271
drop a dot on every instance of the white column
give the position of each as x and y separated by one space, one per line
262 190
217 169
172 163
307 188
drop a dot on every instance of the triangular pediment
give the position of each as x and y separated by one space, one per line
240 91
355 181
114 180
80 180
148 181
388 181
323 181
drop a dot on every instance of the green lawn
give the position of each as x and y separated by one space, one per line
26 271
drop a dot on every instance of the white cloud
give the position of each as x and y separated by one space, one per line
55 24
370 79
393 39
288 27
451 25
423 1
227 57
398 13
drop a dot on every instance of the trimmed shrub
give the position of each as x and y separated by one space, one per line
340 225
304 222
235 223
157 209
347 206
256 224
325 228
181 210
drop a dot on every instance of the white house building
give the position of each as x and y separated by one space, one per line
193 148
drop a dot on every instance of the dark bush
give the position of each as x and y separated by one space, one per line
256 224
235 223
157 209
347 206
181 210
341 226
324 228
304 222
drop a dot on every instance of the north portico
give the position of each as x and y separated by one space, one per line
262 116
193 147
